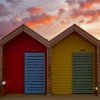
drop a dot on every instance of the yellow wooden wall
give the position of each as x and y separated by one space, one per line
61 62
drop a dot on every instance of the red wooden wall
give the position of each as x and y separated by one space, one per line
13 61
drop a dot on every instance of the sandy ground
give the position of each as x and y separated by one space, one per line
53 97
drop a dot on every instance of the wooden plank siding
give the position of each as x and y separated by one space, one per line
48 71
58 59
61 62
14 67
98 70
0 69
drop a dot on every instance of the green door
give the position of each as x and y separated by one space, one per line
83 74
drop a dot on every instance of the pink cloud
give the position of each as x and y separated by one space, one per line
61 11
78 13
32 22
94 19
35 10
38 18
14 2
7 27
83 3
3 10
81 21
85 11
93 15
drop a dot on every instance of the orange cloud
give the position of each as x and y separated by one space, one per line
94 19
42 20
30 24
47 19
35 10
89 3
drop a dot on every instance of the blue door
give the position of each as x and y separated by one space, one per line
34 73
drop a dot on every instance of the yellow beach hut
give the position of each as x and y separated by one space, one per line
74 62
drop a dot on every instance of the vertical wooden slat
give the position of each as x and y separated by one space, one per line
98 70
35 73
49 70
83 73
0 69
62 62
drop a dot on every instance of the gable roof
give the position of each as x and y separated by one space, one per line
79 31
24 28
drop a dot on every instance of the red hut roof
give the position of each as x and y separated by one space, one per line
27 30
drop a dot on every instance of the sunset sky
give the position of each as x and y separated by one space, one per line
50 17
